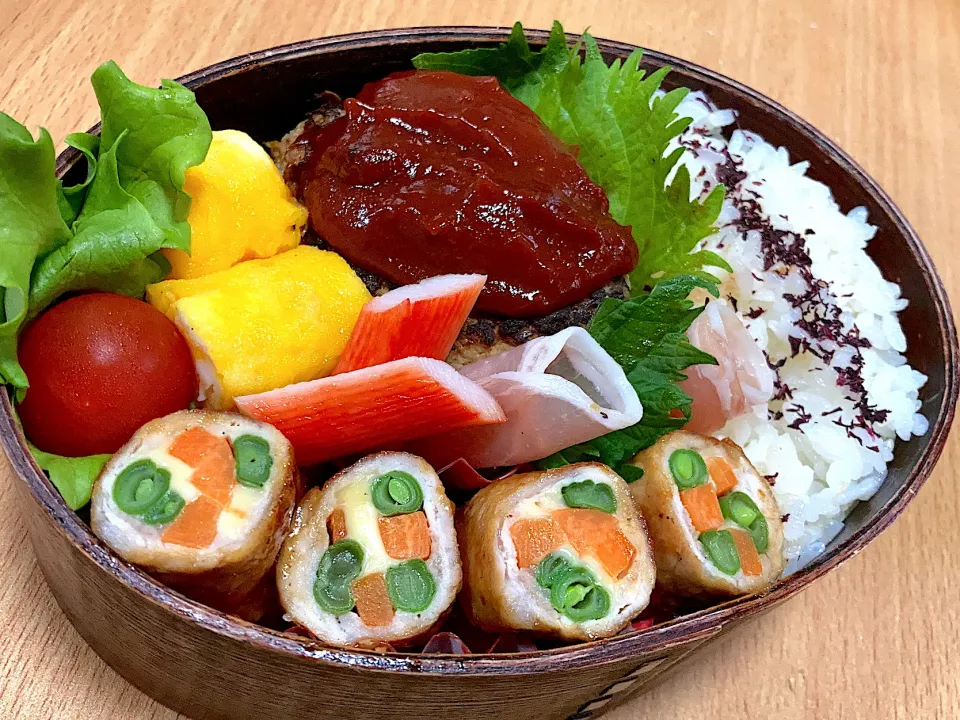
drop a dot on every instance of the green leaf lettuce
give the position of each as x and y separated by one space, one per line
73 477
104 233
30 224
133 199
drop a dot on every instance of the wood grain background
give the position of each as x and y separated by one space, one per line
880 638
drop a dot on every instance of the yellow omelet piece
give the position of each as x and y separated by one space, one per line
240 208
263 324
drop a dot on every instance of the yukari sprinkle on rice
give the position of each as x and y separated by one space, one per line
818 307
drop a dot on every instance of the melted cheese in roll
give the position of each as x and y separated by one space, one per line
373 555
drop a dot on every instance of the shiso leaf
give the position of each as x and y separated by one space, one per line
622 128
519 69
647 337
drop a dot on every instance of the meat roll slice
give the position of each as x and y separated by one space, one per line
373 554
714 522
202 500
562 553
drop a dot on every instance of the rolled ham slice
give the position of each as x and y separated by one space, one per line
556 392
740 380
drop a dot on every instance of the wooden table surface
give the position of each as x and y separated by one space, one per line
880 637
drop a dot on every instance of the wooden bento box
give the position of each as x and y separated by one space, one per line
208 665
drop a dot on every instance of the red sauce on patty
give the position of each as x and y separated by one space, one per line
430 173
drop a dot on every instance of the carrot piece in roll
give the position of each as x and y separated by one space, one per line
597 534
196 526
421 320
535 538
337 525
562 553
372 408
373 600
201 500
705 547
212 461
702 506
382 581
406 536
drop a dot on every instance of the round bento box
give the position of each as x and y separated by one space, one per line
208 665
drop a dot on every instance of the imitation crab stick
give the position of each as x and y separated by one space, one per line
405 537
703 507
373 601
421 320
372 408
534 539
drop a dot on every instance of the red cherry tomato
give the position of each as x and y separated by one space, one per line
99 367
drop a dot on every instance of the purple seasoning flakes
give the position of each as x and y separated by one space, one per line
802 417
820 325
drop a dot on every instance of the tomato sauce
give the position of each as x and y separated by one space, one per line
430 173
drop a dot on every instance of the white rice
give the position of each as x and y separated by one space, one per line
821 469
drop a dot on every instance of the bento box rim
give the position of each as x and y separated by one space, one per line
700 625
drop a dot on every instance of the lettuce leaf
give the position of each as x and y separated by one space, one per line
622 129
30 224
103 233
73 477
113 239
70 199
133 202
163 133
647 337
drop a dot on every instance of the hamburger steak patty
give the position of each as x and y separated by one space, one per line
481 336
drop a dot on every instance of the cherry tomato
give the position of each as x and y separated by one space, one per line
99 367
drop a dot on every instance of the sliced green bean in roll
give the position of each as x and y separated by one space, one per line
373 554
714 522
561 553
201 500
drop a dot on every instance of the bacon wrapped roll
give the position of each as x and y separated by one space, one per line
561 552
202 500
373 554
714 522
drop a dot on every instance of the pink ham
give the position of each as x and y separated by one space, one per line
421 320
377 407
740 381
556 392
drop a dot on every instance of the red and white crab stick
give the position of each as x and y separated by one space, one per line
421 320
372 408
